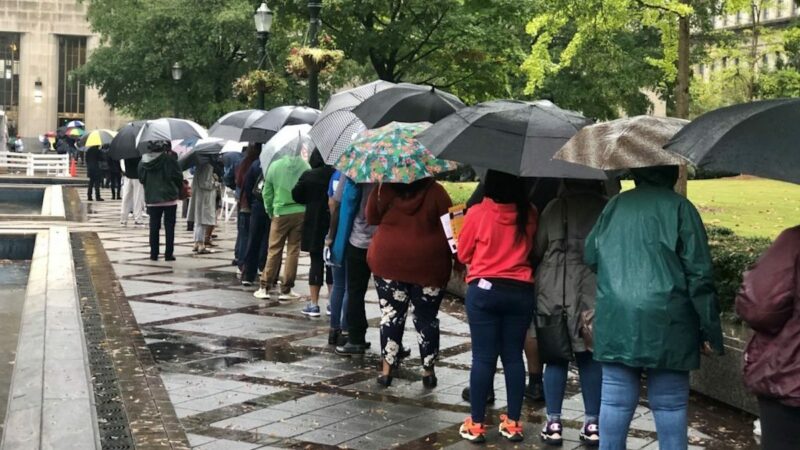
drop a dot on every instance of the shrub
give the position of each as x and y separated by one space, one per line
732 255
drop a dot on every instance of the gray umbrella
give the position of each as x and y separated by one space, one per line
336 125
510 136
407 102
235 126
263 129
759 138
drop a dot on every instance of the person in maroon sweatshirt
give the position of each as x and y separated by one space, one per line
769 301
411 261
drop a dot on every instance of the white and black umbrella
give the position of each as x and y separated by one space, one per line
235 126
292 140
168 129
409 103
510 136
263 129
123 146
334 129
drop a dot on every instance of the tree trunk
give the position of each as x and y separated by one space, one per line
682 89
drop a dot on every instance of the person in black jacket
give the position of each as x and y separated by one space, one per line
114 177
312 190
162 178
95 173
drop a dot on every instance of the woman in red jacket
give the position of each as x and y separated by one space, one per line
496 243
412 262
769 301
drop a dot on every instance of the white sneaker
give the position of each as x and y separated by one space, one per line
261 293
247 283
291 295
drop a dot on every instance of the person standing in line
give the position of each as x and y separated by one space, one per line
656 306
353 237
258 239
114 177
496 244
132 193
565 284
769 301
312 191
243 206
204 208
412 262
337 306
93 157
162 179
287 225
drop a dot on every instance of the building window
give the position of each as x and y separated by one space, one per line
9 74
765 13
71 89
739 18
724 62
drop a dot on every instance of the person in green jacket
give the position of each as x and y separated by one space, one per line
656 305
287 224
162 179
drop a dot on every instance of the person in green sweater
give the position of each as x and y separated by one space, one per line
287 225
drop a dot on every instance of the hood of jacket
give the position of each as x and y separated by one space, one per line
662 176
505 213
411 204
152 160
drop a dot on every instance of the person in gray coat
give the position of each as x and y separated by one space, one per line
563 282
203 208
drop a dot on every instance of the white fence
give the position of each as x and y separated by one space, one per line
52 165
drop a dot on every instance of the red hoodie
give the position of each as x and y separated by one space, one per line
488 242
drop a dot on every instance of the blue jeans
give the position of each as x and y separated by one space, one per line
242 235
668 392
499 318
591 376
338 299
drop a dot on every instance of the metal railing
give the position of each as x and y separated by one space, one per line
52 165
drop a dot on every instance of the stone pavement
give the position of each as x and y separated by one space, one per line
243 373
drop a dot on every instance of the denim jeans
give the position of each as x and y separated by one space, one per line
499 318
338 298
257 241
555 384
242 235
668 393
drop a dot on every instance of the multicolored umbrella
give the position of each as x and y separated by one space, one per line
75 124
75 132
391 154
97 138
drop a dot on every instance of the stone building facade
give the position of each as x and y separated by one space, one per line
41 42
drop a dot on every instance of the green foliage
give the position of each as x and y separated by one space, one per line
732 255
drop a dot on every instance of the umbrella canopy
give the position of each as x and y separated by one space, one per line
97 138
193 150
407 102
759 138
168 129
75 132
233 126
334 129
123 146
510 136
263 129
291 140
627 143
75 124
391 154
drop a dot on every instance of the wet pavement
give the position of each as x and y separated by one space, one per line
13 283
243 373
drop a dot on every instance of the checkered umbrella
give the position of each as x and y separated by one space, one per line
263 129
334 129
235 126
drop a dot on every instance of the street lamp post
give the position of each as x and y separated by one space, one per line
263 19
177 74
314 8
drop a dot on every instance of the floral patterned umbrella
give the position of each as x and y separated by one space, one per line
391 154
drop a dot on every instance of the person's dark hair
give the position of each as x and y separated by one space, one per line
505 188
409 190
315 160
158 146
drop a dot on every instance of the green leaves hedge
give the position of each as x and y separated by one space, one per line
732 255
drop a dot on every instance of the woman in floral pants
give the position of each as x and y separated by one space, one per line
411 260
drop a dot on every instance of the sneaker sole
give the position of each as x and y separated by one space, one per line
550 441
261 297
513 437
311 314
479 439
589 442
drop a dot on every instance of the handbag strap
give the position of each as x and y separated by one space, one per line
564 223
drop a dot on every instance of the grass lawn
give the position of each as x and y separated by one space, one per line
748 206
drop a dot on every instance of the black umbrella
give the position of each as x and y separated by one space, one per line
270 123
510 136
234 126
407 102
123 146
759 138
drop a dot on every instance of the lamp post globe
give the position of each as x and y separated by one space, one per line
177 74
263 19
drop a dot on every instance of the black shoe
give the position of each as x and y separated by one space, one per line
89 199
333 336
429 381
154 258
341 340
351 349
534 392
169 258
384 380
101 199
489 398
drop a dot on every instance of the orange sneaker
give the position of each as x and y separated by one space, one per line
473 432
510 429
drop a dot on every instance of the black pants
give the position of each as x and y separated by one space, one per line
358 273
156 212
115 183
319 273
95 180
242 234
257 240
778 425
